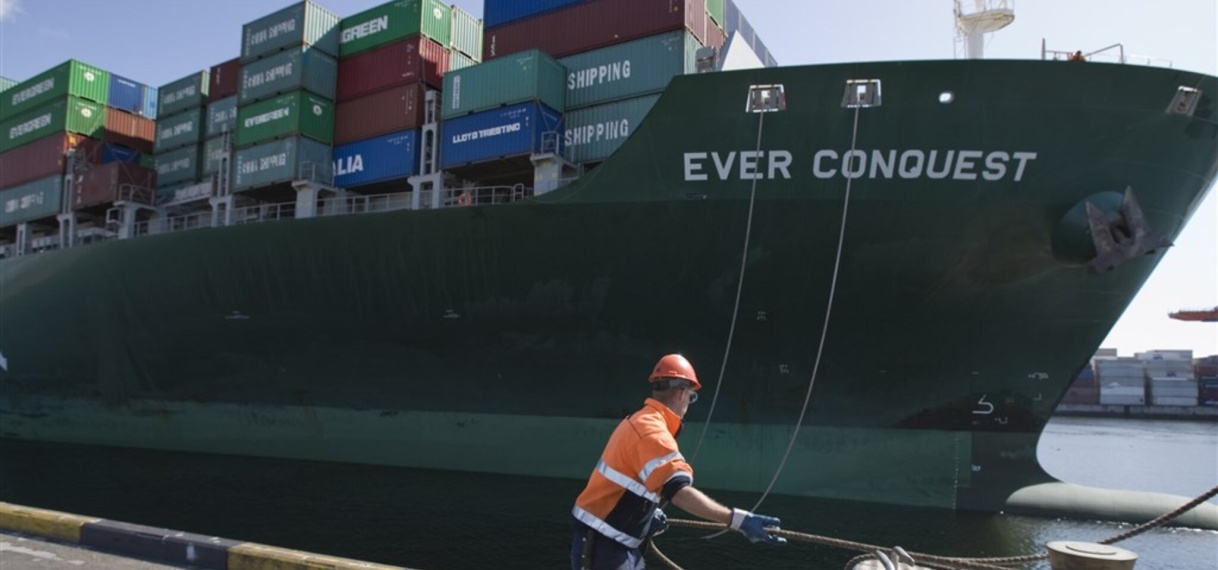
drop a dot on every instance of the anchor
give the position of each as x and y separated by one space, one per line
1122 240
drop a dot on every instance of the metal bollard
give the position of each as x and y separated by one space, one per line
1070 555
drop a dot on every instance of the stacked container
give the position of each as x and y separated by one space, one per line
179 130
619 55
62 109
1122 381
1206 371
1169 378
285 98
502 109
391 55
1084 390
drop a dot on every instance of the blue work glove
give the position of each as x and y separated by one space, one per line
756 527
659 523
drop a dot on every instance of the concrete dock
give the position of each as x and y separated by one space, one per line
38 538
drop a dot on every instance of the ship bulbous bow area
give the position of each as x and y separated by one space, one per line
1105 230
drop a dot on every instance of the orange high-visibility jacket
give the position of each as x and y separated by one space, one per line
640 465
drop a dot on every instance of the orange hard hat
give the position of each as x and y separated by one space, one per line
674 366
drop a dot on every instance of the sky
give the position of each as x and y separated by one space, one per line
158 41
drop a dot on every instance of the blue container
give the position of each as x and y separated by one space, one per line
149 108
126 95
512 130
111 152
387 157
497 12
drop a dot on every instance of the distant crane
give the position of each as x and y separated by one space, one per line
1204 315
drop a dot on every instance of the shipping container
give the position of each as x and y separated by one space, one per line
299 113
592 25
180 165
378 159
41 158
126 94
221 117
300 25
35 200
106 183
114 152
715 9
592 134
283 160
182 129
289 70
151 102
225 80
393 21
466 34
70 114
458 60
394 109
186 93
508 131
407 61
526 76
183 192
130 130
69 78
499 12
6 84
213 153
627 70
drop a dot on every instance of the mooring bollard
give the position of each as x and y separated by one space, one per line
1070 555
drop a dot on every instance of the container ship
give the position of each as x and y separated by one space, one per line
407 237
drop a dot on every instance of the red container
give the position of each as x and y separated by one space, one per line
132 131
41 158
1077 395
593 25
394 109
409 61
225 80
105 183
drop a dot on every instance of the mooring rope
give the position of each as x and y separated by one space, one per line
930 560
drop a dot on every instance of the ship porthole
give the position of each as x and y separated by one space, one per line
946 97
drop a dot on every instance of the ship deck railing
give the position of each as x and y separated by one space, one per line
1114 53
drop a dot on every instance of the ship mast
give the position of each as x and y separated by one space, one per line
987 16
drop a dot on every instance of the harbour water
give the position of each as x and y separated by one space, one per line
445 520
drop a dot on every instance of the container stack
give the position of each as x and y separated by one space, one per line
1206 371
1084 390
285 100
390 56
179 132
1122 381
224 80
68 108
1169 377
618 55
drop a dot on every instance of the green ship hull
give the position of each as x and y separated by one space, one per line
971 288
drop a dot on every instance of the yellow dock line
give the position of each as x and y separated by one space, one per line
41 522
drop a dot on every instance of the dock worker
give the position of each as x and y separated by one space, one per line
1077 56
641 465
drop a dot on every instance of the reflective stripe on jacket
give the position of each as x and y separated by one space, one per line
640 465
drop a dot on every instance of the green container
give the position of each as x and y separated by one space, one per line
458 60
181 165
6 83
283 160
185 93
148 161
466 35
592 134
177 131
221 116
213 150
716 10
69 78
297 113
35 200
524 76
630 69
303 24
393 21
288 71
70 114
